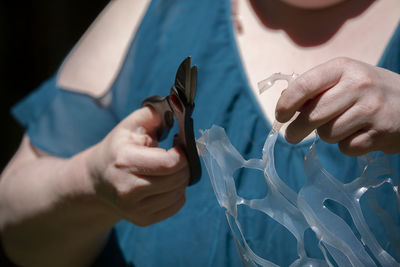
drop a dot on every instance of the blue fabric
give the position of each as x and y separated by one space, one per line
65 123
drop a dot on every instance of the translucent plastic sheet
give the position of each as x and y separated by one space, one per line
306 209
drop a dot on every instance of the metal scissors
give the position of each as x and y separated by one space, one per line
179 104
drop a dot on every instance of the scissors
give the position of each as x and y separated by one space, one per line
179 104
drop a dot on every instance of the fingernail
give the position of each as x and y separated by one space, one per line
290 139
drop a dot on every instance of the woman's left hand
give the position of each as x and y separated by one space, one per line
348 102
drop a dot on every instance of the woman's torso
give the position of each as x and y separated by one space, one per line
199 235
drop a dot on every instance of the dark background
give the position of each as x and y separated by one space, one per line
35 36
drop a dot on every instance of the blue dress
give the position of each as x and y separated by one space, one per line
64 123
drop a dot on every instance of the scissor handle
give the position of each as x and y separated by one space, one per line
189 147
167 107
182 111
179 103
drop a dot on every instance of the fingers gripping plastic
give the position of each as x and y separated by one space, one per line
306 209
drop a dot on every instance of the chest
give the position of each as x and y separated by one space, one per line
266 51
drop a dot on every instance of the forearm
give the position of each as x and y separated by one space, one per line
50 214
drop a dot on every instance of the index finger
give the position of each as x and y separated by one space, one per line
306 87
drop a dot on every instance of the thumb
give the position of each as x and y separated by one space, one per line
146 118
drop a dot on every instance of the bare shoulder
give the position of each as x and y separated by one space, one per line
94 62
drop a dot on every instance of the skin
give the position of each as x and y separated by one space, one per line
46 200
348 102
308 27
123 177
312 4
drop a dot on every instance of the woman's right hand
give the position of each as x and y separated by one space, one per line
137 180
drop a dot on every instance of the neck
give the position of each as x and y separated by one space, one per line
307 27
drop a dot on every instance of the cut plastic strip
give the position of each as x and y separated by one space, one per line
304 210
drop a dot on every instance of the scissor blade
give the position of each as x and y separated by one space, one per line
187 80
182 79
193 83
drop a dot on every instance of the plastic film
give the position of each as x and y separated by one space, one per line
306 209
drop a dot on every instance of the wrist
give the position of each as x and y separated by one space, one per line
85 185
